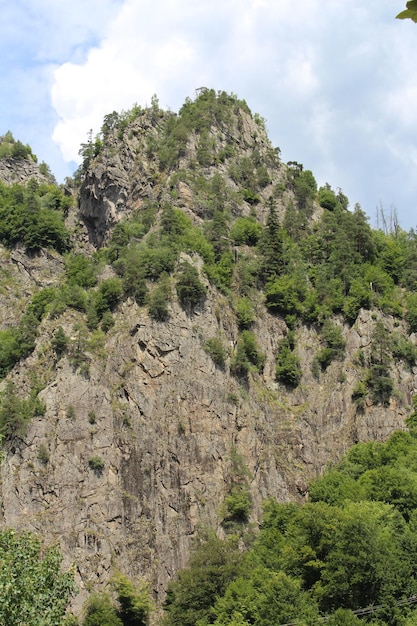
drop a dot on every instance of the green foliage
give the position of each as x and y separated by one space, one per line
348 557
103 301
214 347
43 454
236 507
140 262
271 245
334 344
96 463
411 314
134 601
24 220
380 383
410 12
305 189
284 295
240 365
245 231
159 299
250 349
359 395
237 503
100 611
12 148
16 412
190 290
245 314
81 270
33 590
411 420
18 342
217 232
378 377
352 546
377 472
196 117
264 598
288 369
59 341
213 564
107 321
221 273
335 488
327 198
131 230
404 349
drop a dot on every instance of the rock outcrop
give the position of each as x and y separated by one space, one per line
15 170
133 454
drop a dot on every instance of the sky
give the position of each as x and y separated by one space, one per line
336 81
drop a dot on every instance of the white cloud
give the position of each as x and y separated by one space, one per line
334 80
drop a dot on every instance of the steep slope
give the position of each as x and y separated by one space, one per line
143 420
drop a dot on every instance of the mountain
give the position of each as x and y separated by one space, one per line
188 328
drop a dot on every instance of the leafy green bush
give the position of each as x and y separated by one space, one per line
16 412
19 341
247 354
12 148
192 593
105 299
59 341
159 299
245 313
23 220
327 198
33 588
240 364
81 270
140 262
411 314
334 342
96 463
288 369
380 383
245 231
305 189
100 611
284 295
236 507
134 601
251 349
214 347
220 274
359 394
190 290
404 349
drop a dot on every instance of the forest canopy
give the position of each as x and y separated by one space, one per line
348 556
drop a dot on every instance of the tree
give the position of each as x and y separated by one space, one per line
263 599
288 368
134 602
59 341
158 300
101 612
33 591
271 245
410 12
214 564
189 288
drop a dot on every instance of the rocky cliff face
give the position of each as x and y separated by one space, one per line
14 170
133 454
